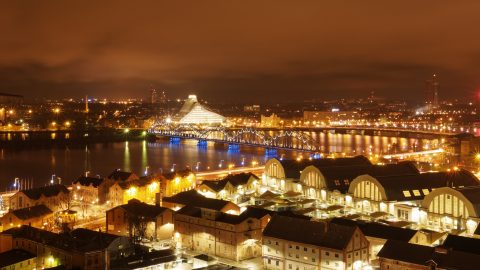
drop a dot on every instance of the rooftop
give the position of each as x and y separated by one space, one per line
142 209
47 191
193 198
294 167
120 175
333 236
87 181
425 255
81 240
14 256
378 230
32 212
461 243
417 186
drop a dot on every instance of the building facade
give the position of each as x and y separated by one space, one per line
215 233
55 197
158 221
298 244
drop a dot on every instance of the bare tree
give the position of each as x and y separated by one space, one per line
137 226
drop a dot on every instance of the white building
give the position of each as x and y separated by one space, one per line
402 196
192 112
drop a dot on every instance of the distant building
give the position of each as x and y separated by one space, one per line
17 259
8 101
153 96
251 108
55 197
159 220
293 243
431 92
328 117
163 97
192 112
272 121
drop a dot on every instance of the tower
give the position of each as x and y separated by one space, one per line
86 104
163 97
431 92
153 96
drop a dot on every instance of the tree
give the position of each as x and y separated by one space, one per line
137 226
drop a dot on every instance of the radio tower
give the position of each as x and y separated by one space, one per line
86 104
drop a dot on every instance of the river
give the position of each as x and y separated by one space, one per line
70 160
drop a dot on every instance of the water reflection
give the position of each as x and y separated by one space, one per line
102 158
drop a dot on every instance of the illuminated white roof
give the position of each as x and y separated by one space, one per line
192 112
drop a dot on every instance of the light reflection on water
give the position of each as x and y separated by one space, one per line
101 158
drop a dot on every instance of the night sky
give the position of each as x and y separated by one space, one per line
240 50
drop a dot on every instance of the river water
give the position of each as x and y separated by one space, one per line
69 161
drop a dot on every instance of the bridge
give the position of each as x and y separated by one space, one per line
294 138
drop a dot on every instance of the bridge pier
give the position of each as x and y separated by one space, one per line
270 151
175 140
202 143
233 146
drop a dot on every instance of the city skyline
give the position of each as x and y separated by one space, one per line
254 51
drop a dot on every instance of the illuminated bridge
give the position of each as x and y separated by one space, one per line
285 139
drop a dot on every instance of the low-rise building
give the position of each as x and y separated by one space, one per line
17 259
156 221
402 195
38 216
232 187
115 176
81 248
378 234
86 189
234 237
55 197
450 208
144 189
293 243
176 182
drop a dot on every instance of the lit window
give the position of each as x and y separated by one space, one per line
407 194
337 183
425 191
416 192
